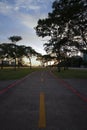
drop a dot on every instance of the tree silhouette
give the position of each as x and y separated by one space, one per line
66 22
29 52
7 50
4 52
15 39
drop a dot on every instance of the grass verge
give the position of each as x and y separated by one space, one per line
71 73
10 74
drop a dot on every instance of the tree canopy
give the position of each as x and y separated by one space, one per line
66 26
15 38
7 51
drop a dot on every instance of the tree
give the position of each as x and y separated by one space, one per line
47 58
7 50
62 26
73 15
20 52
15 39
40 58
4 52
29 52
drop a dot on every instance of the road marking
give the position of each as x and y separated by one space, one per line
66 84
12 85
42 113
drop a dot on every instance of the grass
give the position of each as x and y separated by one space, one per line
9 74
72 73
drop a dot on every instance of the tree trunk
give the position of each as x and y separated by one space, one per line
58 59
59 69
15 63
2 64
30 62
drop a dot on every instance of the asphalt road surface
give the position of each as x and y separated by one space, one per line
42 101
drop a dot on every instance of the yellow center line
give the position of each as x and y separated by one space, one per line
42 113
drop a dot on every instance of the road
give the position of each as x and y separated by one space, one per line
42 101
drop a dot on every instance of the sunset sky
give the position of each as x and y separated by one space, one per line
19 17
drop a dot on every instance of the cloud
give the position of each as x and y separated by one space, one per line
27 4
22 17
16 11
33 41
28 20
4 8
16 5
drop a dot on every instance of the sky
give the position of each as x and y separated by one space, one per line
19 17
